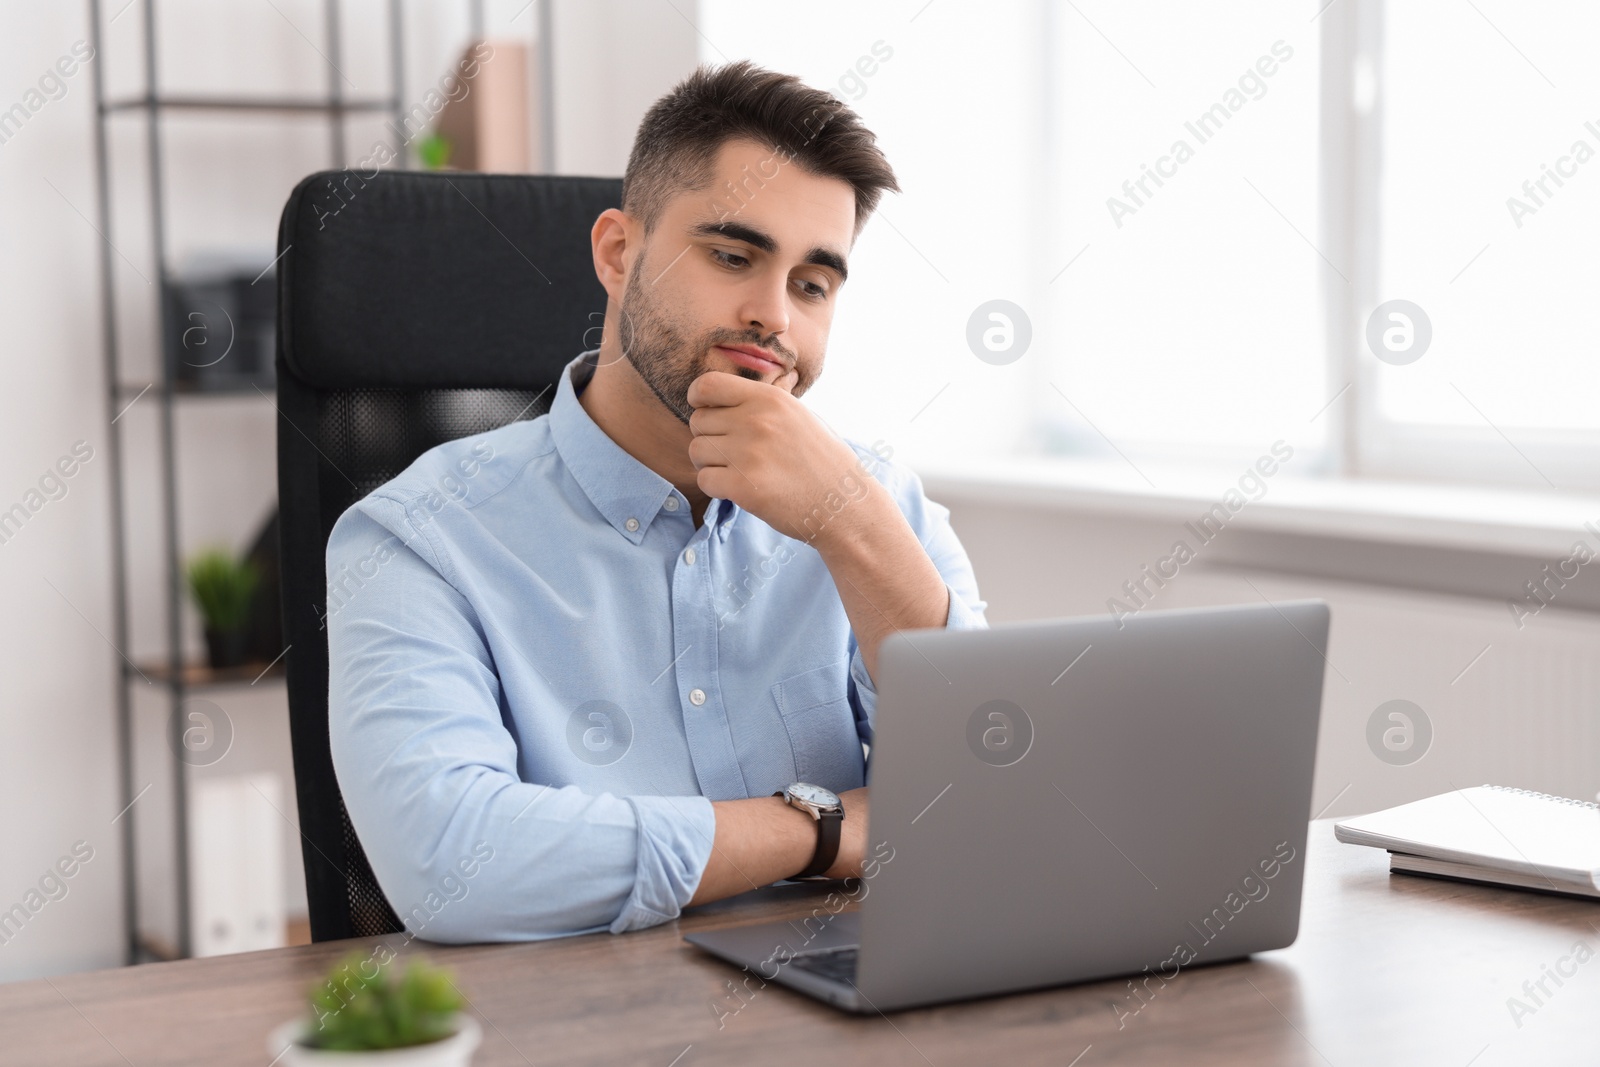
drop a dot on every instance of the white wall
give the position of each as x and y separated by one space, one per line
57 776
614 58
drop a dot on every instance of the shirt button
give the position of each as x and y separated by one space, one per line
671 504
697 697
632 525
688 556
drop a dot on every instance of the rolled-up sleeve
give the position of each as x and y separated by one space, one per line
931 522
463 848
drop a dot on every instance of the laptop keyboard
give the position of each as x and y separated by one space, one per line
838 964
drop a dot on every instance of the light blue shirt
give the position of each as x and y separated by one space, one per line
541 673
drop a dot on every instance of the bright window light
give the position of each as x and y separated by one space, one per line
1490 203
1186 154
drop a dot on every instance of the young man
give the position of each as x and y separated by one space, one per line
618 660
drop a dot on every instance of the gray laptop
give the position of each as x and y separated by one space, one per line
1069 800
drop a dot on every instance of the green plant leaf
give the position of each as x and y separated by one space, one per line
362 1004
224 587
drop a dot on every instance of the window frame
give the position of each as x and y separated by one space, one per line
1368 444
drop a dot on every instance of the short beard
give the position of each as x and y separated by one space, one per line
654 346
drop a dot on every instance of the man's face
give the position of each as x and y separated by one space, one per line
755 260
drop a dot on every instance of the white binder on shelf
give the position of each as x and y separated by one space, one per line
236 864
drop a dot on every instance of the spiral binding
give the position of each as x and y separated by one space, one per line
1544 796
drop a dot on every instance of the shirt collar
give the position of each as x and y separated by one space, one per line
619 486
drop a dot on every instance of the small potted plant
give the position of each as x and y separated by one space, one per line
224 585
365 1015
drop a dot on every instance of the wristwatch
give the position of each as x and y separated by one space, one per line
823 806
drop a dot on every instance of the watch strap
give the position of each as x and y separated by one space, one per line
829 825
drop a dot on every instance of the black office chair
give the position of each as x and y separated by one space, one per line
413 308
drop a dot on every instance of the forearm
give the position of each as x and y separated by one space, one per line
757 842
884 576
638 856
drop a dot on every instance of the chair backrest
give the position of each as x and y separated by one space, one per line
413 308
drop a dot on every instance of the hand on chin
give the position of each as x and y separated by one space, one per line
768 453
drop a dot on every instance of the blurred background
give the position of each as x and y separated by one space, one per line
1302 287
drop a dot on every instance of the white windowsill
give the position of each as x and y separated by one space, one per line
1434 514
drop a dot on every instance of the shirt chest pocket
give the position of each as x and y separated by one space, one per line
815 708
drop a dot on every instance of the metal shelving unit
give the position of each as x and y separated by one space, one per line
177 677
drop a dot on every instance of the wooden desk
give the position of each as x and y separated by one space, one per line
1387 970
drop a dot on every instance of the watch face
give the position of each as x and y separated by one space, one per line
814 794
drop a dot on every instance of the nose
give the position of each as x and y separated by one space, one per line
766 306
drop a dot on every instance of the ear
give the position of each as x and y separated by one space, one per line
613 240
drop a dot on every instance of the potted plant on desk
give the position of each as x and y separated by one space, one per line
363 1015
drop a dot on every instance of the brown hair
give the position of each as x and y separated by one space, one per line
678 140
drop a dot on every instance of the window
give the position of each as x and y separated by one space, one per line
1488 201
1185 146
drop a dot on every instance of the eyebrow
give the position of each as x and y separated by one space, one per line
738 231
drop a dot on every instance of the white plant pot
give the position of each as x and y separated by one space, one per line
453 1051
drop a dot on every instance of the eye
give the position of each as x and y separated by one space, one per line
734 261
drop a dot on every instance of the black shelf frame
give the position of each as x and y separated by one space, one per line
174 675
243 103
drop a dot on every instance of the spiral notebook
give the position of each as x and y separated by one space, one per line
1489 833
